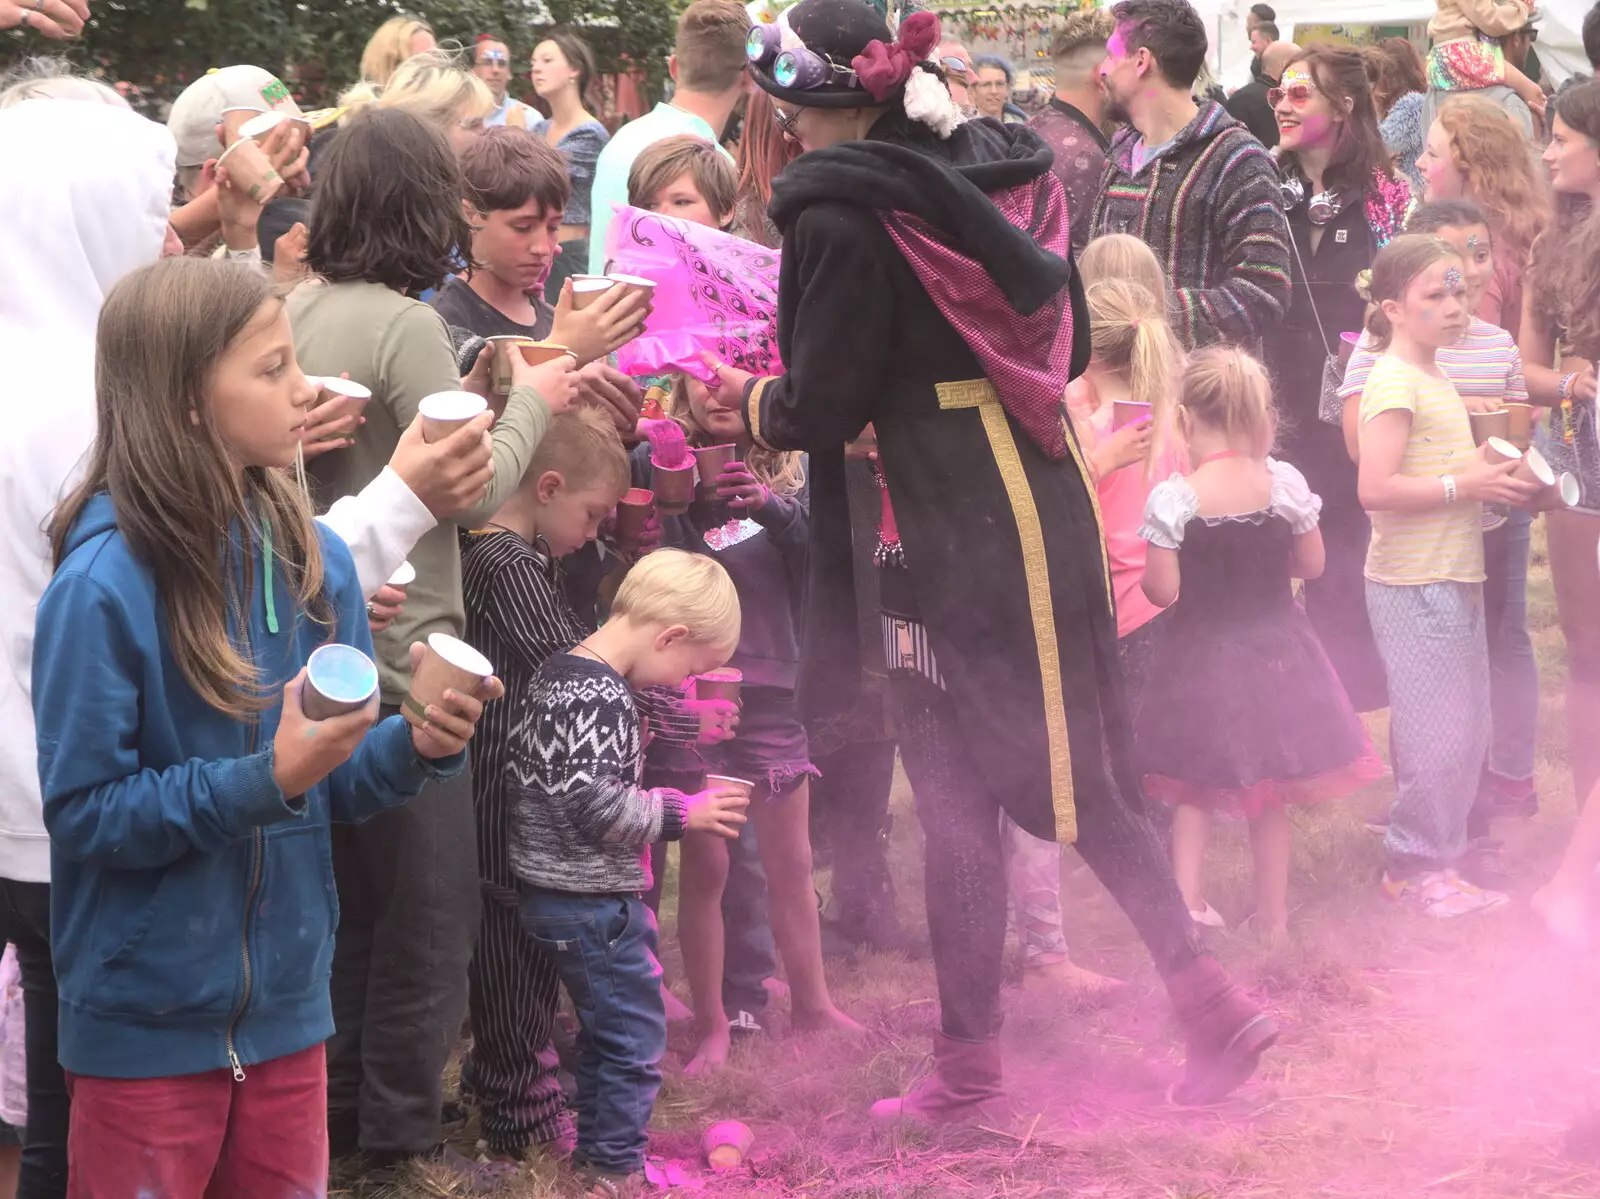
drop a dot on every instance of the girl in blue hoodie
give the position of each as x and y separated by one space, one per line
187 795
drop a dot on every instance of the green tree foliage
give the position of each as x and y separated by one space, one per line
162 45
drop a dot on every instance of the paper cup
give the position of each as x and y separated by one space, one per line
1563 493
448 663
1125 412
1520 425
1490 424
586 291
1500 450
725 1144
500 362
404 577
344 387
261 124
251 171
1347 346
709 461
339 679
724 683
634 510
721 781
1534 469
635 282
446 411
673 486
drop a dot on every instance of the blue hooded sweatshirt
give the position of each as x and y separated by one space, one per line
192 902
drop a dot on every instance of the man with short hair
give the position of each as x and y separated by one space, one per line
491 62
991 88
1257 14
1250 104
1262 36
708 66
1070 123
1190 181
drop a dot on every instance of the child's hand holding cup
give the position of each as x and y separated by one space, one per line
720 808
450 683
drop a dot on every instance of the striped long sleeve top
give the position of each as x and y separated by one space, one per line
1208 203
519 616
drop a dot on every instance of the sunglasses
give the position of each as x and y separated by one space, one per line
1298 94
955 66
493 58
787 122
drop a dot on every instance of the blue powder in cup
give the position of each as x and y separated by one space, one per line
342 673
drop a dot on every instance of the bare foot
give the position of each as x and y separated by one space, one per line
711 1054
677 1011
777 990
825 1019
1565 914
1069 975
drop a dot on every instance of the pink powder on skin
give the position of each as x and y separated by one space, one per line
668 447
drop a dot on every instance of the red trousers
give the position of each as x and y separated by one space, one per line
203 1136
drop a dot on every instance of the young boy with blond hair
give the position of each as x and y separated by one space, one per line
686 177
581 828
519 615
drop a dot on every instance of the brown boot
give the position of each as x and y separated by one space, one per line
1226 1033
963 1087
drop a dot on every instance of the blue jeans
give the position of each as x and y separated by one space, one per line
1513 674
604 947
749 955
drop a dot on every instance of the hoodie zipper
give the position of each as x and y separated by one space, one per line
257 849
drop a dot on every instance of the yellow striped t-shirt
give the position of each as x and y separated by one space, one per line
1444 544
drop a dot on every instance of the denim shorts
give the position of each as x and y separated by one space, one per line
769 748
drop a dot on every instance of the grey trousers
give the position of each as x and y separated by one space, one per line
409 908
1431 637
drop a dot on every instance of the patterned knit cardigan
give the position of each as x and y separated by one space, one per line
1210 207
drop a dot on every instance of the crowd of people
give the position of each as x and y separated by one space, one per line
1122 456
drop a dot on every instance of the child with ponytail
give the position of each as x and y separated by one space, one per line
1425 485
1241 713
187 792
1133 375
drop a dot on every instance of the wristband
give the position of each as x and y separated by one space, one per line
1449 482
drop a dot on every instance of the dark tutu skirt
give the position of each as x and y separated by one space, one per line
1246 721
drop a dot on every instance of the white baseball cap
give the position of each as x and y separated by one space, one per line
197 112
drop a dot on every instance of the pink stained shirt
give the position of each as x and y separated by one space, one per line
1122 499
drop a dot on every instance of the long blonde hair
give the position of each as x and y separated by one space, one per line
782 470
1123 256
431 86
1227 390
1129 334
174 483
390 46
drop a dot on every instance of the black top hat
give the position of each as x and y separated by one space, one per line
834 32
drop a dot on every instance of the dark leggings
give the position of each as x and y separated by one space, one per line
965 873
25 922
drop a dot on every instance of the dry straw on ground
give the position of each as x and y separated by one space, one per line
1421 1059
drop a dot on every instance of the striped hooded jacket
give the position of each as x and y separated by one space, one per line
1209 205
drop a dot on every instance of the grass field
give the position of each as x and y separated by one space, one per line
1438 1059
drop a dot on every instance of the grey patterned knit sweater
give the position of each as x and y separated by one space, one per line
579 819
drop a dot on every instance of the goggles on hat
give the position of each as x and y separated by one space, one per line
797 67
955 66
493 58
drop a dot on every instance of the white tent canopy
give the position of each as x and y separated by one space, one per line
1559 46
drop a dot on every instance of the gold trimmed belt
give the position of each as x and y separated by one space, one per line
980 394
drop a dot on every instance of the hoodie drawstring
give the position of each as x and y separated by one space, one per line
266 574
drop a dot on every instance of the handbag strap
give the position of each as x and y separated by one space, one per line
1294 245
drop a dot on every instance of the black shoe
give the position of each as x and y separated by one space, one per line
1483 867
745 1024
